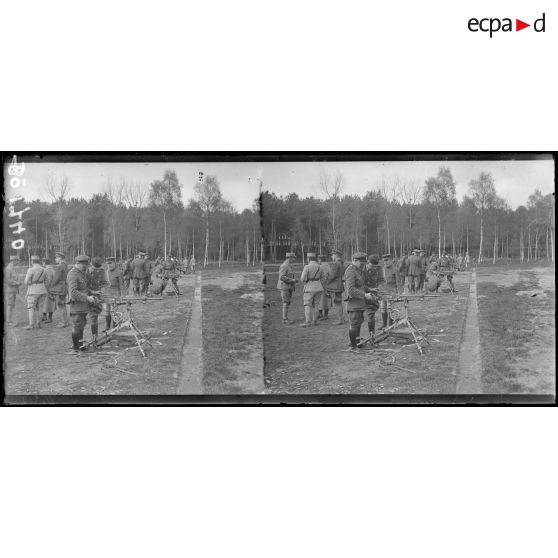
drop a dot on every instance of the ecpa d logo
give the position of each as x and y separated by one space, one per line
493 25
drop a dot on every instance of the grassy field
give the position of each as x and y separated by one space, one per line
232 310
39 362
313 361
518 331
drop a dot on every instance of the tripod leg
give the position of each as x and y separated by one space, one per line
417 343
421 333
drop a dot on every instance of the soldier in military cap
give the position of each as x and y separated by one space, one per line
334 284
36 291
356 296
80 299
286 284
49 305
113 289
11 288
312 291
391 287
323 306
58 287
414 271
127 274
373 279
96 281
139 273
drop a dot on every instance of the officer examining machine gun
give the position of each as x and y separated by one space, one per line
357 298
80 299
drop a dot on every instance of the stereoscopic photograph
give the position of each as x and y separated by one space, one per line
279 278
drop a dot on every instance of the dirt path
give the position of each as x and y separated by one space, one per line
191 364
470 363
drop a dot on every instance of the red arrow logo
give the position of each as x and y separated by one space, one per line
519 25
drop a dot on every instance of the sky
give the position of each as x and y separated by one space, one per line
514 180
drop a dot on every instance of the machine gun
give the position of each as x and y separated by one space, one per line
121 320
400 318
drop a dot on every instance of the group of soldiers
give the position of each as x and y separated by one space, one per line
354 289
83 286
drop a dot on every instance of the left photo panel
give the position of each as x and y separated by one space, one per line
131 278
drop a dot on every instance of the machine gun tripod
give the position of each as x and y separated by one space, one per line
122 320
400 318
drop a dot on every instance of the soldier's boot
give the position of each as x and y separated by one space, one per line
390 319
340 317
384 319
353 336
307 317
320 315
108 320
313 316
75 341
65 322
94 333
31 319
49 320
285 314
326 314
371 328
44 318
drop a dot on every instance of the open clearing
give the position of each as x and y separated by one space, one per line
313 361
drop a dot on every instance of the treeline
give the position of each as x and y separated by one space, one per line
400 215
126 217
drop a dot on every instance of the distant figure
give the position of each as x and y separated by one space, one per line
467 261
192 264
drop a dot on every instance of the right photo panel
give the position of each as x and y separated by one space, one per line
409 277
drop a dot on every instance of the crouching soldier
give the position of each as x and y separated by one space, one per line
286 284
80 299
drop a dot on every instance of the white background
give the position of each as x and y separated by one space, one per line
276 482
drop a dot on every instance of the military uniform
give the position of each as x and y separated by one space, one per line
79 301
11 288
170 272
423 267
323 306
356 297
433 280
50 300
127 274
59 288
113 288
447 265
96 281
403 271
312 291
286 284
391 287
36 292
334 284
139 274
414 272
373 278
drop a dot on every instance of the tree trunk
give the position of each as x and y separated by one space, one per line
165 223
439 233
536 244
247 251
521 247
481 239
494 253
206 253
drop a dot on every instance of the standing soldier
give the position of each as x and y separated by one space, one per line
423 267
403 271
148 270
170 272
323 307
36 291
286 284
138 273
414 271
312 291
127 274
466 261
80 299
460 263
373 278
11 288
114 289
97 281
391 288
50 299
58 287
193 264
334 285
356 296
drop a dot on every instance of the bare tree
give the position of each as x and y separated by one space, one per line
483 194
58 189
209 198
115 192
389 188
440 191
331 188
409 192
135 196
